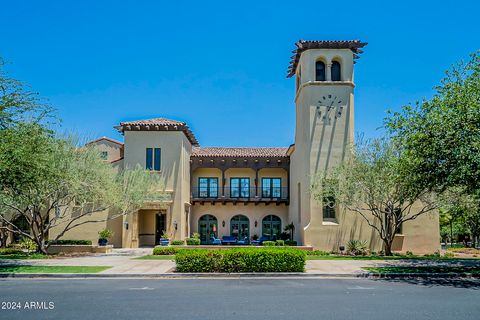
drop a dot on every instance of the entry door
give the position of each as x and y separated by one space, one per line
160 226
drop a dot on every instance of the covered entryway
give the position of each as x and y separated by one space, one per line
151 225
240 227
208 228
271 227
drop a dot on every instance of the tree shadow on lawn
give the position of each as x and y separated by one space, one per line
463 283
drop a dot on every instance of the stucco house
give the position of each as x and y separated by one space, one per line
242 192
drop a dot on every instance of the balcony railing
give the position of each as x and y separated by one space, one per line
240 194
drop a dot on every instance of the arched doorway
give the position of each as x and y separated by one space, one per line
207 227
240 227
271 227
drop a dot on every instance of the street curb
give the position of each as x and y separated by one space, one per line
292 275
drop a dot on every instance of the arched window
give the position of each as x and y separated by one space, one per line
208 228
271 227
240 227
336 71
329 208
319 71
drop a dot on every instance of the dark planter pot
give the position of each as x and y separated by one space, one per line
102 242
164 242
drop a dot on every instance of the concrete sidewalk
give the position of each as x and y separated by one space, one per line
123 262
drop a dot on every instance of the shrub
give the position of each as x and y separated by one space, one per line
318 253
105 234
177 242
164 251
27 244
196 235
71 242
292 243
255 237
280 243
357 247
9 251
193 241
449 254
241 260
268 243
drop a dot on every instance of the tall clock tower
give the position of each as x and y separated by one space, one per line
324 103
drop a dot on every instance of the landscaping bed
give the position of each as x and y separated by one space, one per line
240 260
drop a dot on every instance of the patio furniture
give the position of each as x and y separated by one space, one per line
229 240
259 242
215 241
243 241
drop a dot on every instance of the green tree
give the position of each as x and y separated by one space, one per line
372 184
53 184
18 102
441 136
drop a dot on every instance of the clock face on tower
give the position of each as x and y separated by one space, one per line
329 104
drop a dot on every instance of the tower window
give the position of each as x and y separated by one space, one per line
329 208
336 72
319 71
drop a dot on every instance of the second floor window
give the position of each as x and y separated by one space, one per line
104 155
329 208
208 187
153 159
240 187
271 187
319 71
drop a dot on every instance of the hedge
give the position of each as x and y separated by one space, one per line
241 260
177 242
268 243
291 243
193 241
280 243
164 251
70 242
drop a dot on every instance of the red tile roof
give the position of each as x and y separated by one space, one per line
303 45
239 152
106 139
158 124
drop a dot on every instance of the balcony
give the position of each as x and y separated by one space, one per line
277 195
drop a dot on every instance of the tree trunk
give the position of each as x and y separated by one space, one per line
388 247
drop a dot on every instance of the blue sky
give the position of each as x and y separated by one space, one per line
221 65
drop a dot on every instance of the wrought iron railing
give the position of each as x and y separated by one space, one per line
239 193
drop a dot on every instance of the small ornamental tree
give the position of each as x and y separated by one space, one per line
53 184
372 184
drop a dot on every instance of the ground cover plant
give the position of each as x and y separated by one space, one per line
235 260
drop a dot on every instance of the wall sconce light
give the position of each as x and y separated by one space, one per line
175 225
126 225
256 223
223 223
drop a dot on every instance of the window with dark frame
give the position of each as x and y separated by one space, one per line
329 208
319 71
240 187
153 159
271 187
336 71
207 187
104 155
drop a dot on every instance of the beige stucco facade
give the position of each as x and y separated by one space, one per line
256 183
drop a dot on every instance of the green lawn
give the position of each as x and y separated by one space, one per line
424 269
334 257
52 269
158 257
19 256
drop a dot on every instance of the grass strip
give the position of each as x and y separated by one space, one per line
424 269
52 269
334 257
25 256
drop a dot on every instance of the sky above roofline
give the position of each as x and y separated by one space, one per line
220 66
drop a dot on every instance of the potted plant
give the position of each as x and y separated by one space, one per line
164 239
103 236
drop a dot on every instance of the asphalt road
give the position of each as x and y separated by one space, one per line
230 299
